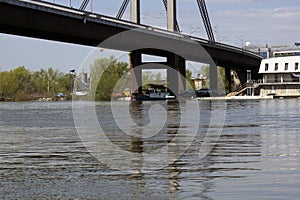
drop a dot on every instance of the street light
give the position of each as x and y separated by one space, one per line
73 72
241 39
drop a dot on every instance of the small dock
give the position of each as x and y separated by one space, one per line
235 98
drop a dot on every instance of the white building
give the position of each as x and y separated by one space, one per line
281 76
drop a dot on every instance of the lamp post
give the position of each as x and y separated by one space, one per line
73 73
219 37
241 39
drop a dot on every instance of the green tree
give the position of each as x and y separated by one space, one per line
65 83
222 83
5 84
52 81
111 72
39 82
49 82
189 82
21 84
15 83
148 77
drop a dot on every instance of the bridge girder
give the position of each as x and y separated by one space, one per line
25 19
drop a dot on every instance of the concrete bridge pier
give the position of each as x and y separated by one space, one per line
213 76
242 75
135 60
135 11
228 78
176 78
176 81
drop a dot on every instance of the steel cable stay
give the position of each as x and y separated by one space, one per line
122 9
208 21
84 5
205 18
125 4
201 5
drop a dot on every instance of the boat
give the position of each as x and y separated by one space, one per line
155 94
206 92
81 93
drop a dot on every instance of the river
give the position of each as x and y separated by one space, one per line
255 156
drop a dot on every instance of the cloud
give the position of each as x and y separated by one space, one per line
282 13
278 25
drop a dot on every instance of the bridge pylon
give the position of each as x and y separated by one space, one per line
171 15
135 11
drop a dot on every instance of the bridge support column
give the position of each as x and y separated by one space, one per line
182 73
171 12
176 78
228 79
213 76
135 11
135 73
242 76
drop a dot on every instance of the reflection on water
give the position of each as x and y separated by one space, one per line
256 157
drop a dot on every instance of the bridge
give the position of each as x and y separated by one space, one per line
40 19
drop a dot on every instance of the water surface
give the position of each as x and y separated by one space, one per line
257 155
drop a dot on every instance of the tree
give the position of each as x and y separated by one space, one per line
49 82
189 82
21 84
105 73
14 83
52 81
39 82
222 83
65 83
5 86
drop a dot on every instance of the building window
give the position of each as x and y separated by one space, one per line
276 78
296 66
266 67
276 66
265 78
286 66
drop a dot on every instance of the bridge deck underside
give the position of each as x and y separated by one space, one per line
84 30
44 25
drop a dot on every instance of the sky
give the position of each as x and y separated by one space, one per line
235 22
